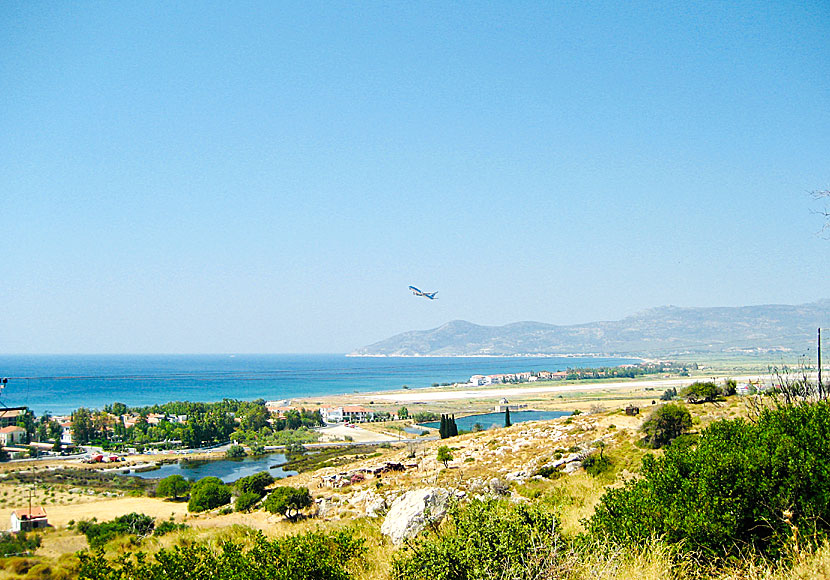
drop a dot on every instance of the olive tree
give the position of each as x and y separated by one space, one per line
666 423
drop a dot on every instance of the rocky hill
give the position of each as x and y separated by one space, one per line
658 332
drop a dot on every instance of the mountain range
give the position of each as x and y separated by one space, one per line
658 332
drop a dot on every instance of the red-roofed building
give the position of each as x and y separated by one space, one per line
356 414
27 519
12 435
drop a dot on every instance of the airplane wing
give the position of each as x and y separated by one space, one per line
415 290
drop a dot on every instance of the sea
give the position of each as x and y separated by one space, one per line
59 384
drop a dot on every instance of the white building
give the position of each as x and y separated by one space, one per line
357 414
27 519
12 435
332 414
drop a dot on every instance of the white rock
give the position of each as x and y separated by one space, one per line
412 512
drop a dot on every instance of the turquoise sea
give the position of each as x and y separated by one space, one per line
61 383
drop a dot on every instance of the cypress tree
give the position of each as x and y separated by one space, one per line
507 422
442 430
453 427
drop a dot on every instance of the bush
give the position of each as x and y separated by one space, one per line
701 392
734 490
668 394
235 452
483 540
246 501
596 464
209 495
130 524
168 526
665 423
255 483
172 486
18 543
309 556
288 501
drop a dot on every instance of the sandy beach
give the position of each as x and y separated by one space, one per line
440 394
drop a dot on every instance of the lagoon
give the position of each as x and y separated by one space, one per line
495 420
228 470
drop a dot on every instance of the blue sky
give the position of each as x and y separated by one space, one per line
270 177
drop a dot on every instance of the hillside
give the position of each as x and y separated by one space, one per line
664 331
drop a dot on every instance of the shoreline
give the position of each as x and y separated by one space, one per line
442 394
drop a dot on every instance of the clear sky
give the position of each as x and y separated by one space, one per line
269 177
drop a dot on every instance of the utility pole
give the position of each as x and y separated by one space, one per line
820 387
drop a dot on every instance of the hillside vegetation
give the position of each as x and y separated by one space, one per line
740 491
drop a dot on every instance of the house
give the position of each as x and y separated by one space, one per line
155 418
26 519
357 414
332 414
10 415
12 435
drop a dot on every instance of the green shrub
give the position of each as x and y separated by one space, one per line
172 486
246 501
596 464
288 501
98 534
665 423
168 526
701 392
733 490
483 540
18 543
235 451
207 496
255 483
309 556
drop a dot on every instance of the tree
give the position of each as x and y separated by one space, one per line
507 422
452 427
172 486
666 423
730 387
255 419
207 496
288 501
82 430
255 483
701 392
444 455
235 452
668 394
403 413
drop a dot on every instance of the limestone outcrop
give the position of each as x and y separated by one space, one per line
413 511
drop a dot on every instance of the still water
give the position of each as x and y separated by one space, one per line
493 420
228 470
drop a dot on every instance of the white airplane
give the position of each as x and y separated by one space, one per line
416 292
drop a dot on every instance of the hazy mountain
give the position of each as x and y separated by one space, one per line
664 331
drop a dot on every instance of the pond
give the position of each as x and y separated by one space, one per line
494 420
228 470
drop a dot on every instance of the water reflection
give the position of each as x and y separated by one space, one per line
228 470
